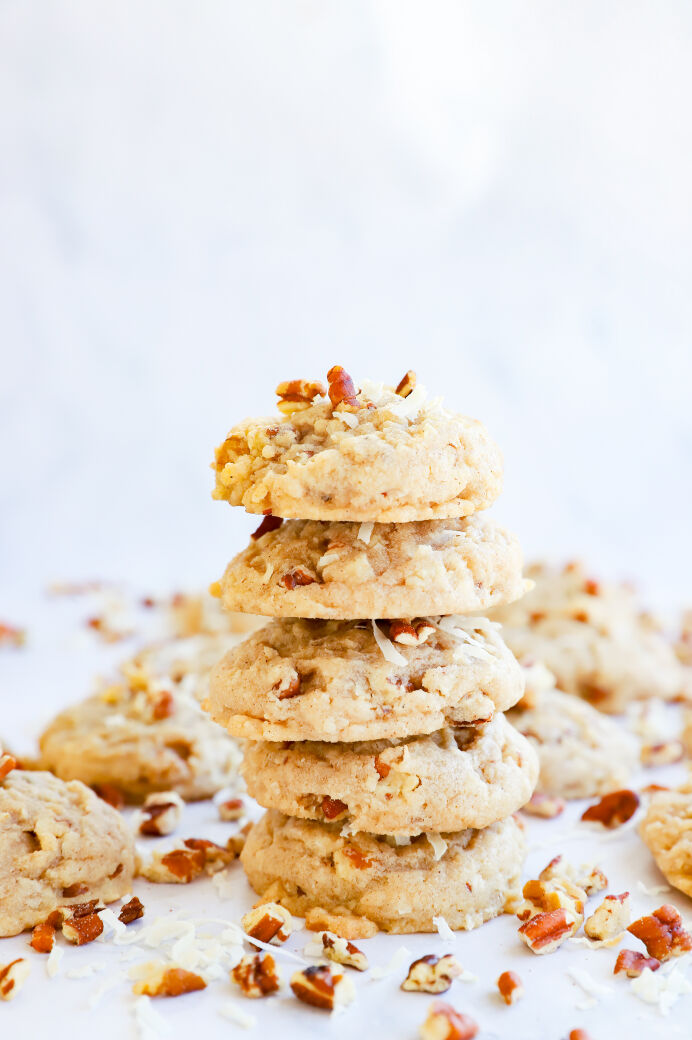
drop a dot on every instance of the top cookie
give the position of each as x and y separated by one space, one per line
373 454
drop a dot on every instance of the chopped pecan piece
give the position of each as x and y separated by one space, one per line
131 911
443 1022
662 933
179 866
288 687
432 974
162 704
111 794
587 877
343 952
216 857
161 813
357 857
10 635
407 384
72 891
295 394
662 754
341 389
7 764
613 809
558 894
268 922
12 978
161 980
232 809
544 932
345 925
510 986
269 523
317 986
609 920
43 937
410 633
544 805
333 807
383 768
82 929
632 963
256 975
297 576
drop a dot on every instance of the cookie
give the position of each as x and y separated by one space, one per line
667 830
143 737
330 680
594 638
383 457
59 844
451 780
581 752
305 568
467 878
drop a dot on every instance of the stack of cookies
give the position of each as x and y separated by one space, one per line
372 705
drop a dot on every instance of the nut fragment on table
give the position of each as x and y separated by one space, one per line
544 805
664 753
588 876
443 1022
165 980
191 859
662 933
432 974
609 920
257 975
613 809
43 937
232 809
268 922
131 911
510 986
544 932
632 963
161 813
341 951
12 977
317 986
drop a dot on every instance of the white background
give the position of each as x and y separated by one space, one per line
198 200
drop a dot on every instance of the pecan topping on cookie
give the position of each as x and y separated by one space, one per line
410 633
613 809
296 394
341 389
333 807
407 384
298 576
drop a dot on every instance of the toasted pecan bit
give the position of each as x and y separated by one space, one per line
557 894
10 635
161 813
609 920
216 857
591 588
131 911
662 933
544 805
12 977
410 633
269 523
7 764
231 809
268 922
357 857
662 754
298 576
43 937
179 866
613 809
383 768
343 952
407 384
82 930
111 794
162 981
544 932
332 807
632 963
256 975
588 877
317 986
163 705
296 394
341 389
431 974
72 891
443 1022
288 687
510 986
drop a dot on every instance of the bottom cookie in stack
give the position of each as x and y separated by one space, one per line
465 877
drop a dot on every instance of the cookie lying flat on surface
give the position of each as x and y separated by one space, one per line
305 568
667 830
448 781
329 680
59 844
382 457
140 740
581 752
593 637
303 864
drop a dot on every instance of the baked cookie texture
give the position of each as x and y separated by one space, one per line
581 752
451 780
667 831
59 844
384 458
594 638
330 680
140 736
467 877
309 569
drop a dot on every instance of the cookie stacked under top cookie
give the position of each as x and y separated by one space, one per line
373 703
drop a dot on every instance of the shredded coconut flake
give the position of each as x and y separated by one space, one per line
439 845
54 961
444 931
150 1024
236 1015
661 988
389 651
652 890
328 558
86 971
347 417
401 957
594 990
365 532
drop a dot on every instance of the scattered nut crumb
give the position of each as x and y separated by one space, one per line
662 933
544 805
662 754
609 920
443 1022
632 963
432 974
256 975
510 986
343 952
131 911
111 794
10 635
317 986
161 980
232 809
12 978
613 809
268 922
161 813
43 937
